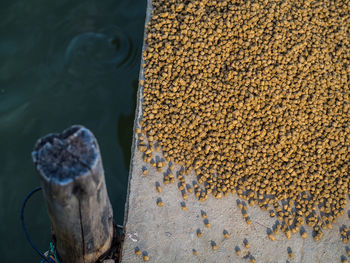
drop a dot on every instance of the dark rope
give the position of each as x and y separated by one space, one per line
24 227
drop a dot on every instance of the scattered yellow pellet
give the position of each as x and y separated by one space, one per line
304 235
237 250
137 251
160 202
158 188
246 243
226 234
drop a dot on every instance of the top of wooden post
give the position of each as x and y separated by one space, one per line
63 157
71 172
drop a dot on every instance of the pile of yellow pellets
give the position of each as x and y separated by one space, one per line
254 97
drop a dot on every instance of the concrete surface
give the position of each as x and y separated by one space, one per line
168 234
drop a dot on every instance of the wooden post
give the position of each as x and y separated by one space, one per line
72 177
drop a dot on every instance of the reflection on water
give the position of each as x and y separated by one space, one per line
125 124
63 63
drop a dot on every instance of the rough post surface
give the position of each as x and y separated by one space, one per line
70 168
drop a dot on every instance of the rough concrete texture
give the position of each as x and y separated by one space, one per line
168 234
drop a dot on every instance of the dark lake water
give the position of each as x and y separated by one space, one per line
63 63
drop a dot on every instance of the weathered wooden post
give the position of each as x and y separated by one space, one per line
72 177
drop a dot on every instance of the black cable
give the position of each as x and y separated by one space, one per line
24 227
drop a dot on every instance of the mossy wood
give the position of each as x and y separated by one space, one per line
71 172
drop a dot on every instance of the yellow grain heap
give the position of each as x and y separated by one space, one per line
254 96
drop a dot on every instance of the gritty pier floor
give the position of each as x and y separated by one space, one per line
169 234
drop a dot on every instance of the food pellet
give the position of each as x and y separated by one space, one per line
255 98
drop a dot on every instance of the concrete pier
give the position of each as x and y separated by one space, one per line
169 234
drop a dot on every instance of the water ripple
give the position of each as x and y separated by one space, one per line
97 52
